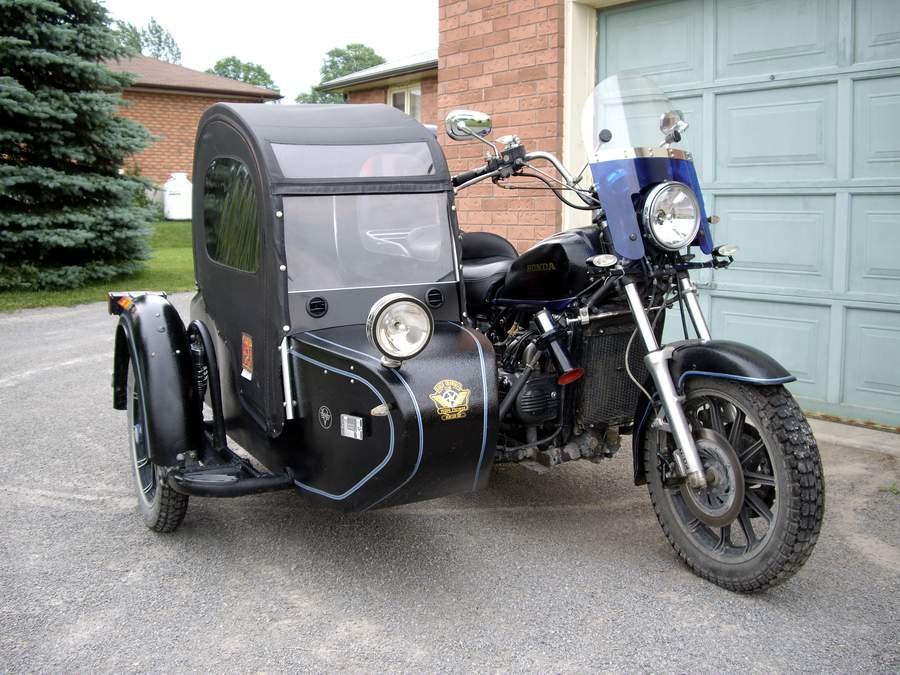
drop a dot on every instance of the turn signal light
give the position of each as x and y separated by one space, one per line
570 376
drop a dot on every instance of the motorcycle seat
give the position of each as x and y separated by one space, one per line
486 258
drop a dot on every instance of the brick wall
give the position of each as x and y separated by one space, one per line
172 119
378 95
504 57
429 101
429 88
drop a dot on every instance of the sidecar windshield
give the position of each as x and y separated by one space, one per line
630 108
362 241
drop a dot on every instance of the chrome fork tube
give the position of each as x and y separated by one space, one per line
689 293
657 363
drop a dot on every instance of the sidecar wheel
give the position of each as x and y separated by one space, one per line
760 518
161 508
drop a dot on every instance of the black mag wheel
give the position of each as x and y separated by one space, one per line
758 520
161 508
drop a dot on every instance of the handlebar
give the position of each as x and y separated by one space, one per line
466 176
511 161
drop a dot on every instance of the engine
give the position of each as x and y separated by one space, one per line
551 423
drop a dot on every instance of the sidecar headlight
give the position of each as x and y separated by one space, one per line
399 326
672 215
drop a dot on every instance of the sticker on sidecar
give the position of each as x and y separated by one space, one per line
246 356
451 400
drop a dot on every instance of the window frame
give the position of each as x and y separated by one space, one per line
406 88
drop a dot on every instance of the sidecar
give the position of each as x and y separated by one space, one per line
327 335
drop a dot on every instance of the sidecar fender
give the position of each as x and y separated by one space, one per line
716 358
151 337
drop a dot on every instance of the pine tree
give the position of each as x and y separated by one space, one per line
68 214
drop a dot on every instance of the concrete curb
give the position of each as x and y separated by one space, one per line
857 438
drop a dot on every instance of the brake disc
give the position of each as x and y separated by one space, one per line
720 502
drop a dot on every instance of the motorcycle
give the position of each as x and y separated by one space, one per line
365 352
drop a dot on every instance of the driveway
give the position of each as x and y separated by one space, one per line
565 571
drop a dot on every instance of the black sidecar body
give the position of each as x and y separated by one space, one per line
319 233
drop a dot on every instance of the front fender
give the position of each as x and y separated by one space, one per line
716 358
152 338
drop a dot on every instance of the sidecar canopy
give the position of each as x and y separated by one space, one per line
351 200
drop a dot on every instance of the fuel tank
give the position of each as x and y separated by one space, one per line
553 270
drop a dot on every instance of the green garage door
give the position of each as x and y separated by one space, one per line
794 108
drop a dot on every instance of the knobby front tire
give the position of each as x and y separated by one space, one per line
781 500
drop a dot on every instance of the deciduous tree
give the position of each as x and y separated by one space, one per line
243 71
152 40
338 62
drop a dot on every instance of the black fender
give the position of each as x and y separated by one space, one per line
152 337
716 358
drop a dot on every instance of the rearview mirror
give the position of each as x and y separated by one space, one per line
465 124
672 125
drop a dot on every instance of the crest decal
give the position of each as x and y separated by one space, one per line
451 399
325 417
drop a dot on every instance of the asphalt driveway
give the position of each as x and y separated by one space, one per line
565 571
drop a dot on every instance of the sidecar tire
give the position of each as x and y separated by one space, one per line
161 508
795 500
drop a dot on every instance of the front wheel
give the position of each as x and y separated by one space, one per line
759 517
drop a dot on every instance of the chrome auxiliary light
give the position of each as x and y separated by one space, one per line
400 327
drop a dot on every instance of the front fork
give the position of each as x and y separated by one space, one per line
657 362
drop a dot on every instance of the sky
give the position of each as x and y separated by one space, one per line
288 38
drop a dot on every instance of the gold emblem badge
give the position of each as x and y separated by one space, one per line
451 399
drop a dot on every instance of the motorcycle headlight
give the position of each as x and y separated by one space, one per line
672 215
399 326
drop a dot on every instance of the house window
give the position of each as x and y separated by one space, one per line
408 99
229 211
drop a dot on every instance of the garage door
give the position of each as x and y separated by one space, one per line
794 108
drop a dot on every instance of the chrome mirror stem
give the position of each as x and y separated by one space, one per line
469 132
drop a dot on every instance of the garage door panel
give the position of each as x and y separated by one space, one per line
750 42
872 358
777 134
877 30
665 41
795 335
786 241
875 246
876 143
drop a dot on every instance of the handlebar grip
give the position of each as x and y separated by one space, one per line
466 176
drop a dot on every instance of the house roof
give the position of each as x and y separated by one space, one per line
417 63
155 74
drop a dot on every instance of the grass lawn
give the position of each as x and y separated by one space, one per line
170 269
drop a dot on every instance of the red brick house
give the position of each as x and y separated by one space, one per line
410 85
168 99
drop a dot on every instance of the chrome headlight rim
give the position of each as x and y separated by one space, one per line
648 210
379 307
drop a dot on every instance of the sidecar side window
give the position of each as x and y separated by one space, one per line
229 215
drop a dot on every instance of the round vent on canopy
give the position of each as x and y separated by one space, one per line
434 297
317 307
